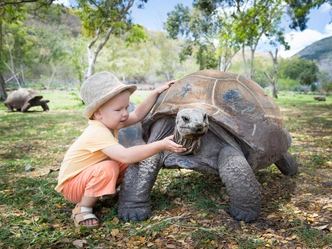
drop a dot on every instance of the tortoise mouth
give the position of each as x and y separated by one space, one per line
190 141
193 133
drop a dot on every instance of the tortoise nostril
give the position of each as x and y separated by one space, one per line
199 128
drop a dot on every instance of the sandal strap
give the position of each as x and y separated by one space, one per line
79 209
85 217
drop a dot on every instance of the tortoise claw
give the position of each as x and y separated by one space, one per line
136 214
247 215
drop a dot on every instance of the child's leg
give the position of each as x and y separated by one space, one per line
86 188
122 171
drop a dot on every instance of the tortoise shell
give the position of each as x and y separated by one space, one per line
20 97
237 104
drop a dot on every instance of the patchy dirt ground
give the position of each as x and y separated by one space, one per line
189 209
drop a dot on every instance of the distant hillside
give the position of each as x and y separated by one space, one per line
321 51
66 23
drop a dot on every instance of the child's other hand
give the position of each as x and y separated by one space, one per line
164 87
169 145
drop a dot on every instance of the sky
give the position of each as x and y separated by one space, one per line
155 12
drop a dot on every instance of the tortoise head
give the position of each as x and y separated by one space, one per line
190 125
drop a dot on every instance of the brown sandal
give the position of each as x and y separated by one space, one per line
79 218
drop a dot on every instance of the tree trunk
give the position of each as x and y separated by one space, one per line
274 79
252 70
3 93
244 62
51 78
275 70
91 67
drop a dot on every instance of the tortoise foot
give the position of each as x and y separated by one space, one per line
244 213
134 214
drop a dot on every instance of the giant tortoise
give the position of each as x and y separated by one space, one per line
230 127
24 98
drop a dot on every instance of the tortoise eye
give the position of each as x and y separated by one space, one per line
185 119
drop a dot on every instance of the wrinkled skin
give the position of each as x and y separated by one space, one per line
24 98
229 126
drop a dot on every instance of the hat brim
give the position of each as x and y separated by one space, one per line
92 107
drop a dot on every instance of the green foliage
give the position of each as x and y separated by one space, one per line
101 19
35 44
262 66
299 11
77 57
206 58
102 16
221 28
123 60
136 34
288 84
14 11
32 49
201 32
178 21
326 81
169 50
61 59
19 46
298 69
154 60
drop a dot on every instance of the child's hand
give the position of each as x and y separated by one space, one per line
169 145
164 87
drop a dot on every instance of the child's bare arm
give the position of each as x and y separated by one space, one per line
144 108
141 152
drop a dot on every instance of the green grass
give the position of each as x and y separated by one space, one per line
189 209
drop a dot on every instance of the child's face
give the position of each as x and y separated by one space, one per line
114 113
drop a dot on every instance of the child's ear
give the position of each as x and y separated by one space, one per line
97 115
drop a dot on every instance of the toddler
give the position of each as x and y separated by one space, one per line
95 163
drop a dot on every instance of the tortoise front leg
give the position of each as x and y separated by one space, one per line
287 164
241 184
134 196
25 107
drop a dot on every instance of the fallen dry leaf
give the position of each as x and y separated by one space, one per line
79 243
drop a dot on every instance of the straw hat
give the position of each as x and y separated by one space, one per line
99 88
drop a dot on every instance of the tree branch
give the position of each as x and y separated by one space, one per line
20 2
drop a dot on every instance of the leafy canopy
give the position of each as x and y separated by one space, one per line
296 68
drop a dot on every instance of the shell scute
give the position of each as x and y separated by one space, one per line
228 98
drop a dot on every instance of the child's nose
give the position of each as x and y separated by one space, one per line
125 113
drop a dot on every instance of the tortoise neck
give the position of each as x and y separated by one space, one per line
192 145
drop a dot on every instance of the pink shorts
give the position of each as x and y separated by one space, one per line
97 180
